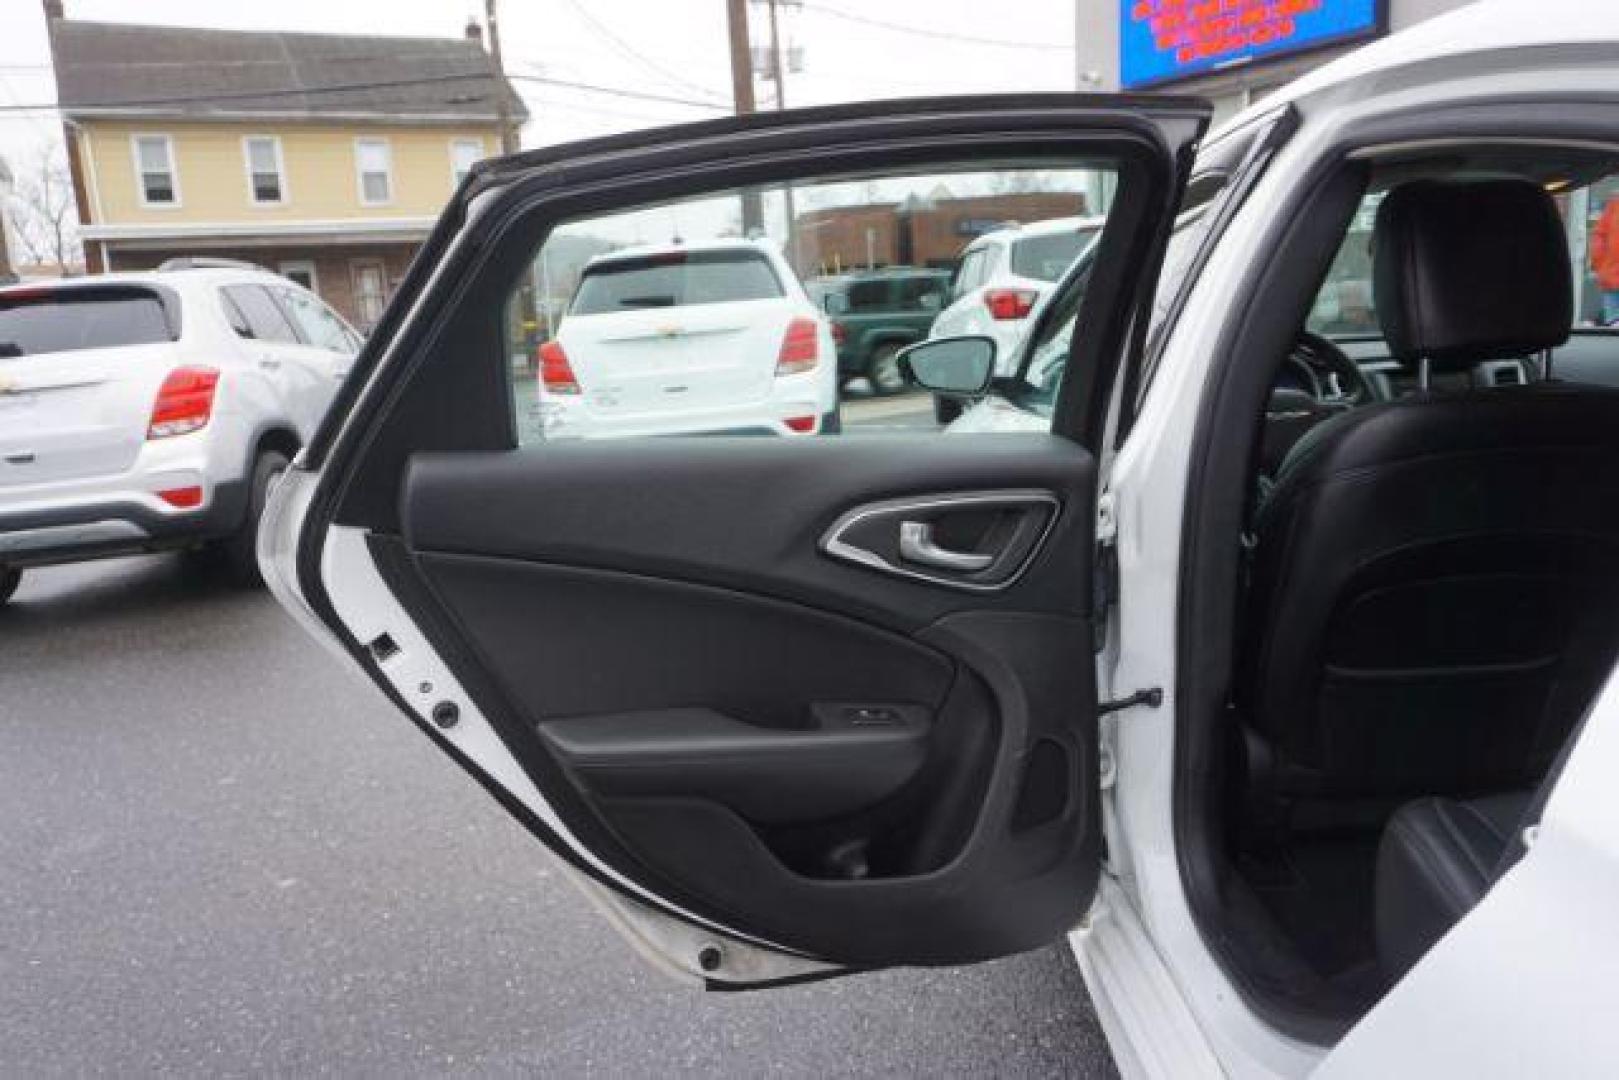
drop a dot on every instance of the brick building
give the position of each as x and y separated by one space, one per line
917 232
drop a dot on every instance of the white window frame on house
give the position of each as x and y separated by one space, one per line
480 151
307 266
280 170
387 172
167 140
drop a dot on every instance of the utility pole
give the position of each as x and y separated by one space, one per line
779 76
503 108
530 301
736 11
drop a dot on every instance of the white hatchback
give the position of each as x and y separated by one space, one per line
710 338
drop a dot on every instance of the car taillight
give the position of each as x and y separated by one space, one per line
183 498
184 402
555 371
799 351
839 333
801 424
1010 303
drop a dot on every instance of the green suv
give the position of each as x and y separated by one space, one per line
874 314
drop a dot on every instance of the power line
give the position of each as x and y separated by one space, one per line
636 55
928 32
614 91
375 84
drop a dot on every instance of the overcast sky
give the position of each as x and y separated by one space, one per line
667 47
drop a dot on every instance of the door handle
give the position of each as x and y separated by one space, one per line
916 545
269 363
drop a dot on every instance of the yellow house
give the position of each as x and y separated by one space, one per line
324 157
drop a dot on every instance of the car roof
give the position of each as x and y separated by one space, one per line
1489 26
641 251
179 280
1013 232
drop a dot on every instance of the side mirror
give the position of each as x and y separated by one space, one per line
957 366
835 303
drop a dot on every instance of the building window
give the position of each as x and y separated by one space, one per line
154 170
374 162
266 171
464 153
301 271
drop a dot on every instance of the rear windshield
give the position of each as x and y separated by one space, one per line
66 320
1047 258
675 279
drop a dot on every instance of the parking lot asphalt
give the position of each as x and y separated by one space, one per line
222 854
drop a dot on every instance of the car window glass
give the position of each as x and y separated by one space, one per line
259 313
320 327
866 296
675 278
1047 257
65 320
747 313
1345 306
920 294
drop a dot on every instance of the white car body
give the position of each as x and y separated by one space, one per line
80 475
686 368
1517 987
992 263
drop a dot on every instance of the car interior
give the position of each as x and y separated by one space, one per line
1429 562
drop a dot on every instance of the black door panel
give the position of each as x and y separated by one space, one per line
866 768
749 514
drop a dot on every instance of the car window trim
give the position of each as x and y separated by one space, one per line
1273 131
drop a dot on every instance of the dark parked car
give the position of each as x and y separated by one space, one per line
875 313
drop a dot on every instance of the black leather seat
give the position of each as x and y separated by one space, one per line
1437 859
1432 590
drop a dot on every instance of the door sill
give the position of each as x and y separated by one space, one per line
1149 1026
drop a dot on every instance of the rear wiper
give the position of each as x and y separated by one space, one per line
647 301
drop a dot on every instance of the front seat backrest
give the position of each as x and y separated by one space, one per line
1433 581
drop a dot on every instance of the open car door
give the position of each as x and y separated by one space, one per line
787 705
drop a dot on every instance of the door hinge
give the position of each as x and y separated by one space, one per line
1150 698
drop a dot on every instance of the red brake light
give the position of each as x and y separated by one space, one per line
184 402
555 371
799 350
1010 303
801 424
840 334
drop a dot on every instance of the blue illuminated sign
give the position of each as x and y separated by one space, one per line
1163 40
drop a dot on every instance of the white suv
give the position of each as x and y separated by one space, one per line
711 338
1006 273
143 411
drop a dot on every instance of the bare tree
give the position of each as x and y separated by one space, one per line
44 220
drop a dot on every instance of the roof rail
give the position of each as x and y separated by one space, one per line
205 262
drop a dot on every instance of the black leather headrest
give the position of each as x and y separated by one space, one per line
1465 271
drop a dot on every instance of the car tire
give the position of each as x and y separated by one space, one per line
237 554
10 578
946 410
883 373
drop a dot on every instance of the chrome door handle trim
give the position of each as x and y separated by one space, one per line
836 542
916 545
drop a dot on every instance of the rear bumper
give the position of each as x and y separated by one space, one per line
575 420
115 523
